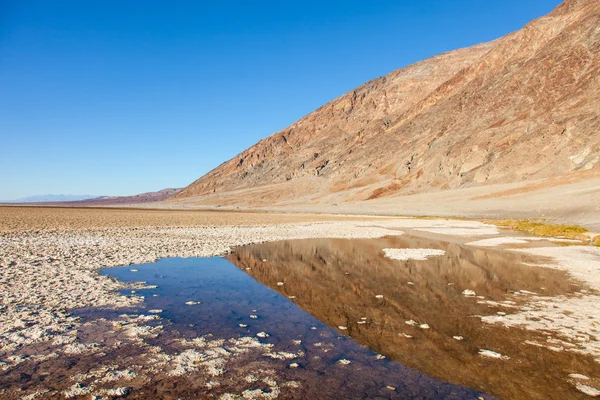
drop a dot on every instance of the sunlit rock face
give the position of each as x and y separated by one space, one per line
521 107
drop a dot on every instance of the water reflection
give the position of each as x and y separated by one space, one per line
212 299
414 311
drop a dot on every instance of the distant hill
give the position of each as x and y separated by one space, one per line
99 201
523 107
52 198
148 197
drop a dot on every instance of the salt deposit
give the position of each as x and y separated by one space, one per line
412 254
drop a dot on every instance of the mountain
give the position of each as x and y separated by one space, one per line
87 200
525 107
148 197
54 198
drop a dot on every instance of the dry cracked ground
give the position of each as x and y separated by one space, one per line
49 265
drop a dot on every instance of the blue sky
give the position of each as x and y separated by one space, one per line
121 97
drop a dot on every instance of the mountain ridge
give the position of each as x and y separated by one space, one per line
520 107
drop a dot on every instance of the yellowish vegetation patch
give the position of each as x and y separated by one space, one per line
596 241
540 227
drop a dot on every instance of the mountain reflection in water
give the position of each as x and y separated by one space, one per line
414 311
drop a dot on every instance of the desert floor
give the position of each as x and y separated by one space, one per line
50 260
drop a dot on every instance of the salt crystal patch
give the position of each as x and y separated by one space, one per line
412 254
492 354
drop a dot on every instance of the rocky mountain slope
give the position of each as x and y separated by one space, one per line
523 107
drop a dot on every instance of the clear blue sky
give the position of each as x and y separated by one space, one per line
121 97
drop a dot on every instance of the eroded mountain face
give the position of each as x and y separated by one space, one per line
522 107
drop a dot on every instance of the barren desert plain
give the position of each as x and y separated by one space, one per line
457 308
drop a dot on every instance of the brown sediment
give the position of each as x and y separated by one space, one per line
14 218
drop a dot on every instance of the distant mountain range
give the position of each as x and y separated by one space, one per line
82 200
51 198
89 200
148 197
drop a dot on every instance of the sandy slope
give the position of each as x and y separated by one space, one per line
571 199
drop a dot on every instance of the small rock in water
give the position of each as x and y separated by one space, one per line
527 292
313 328
157 311
579 376
243 325
297 342
253 316
468 293
262 334
379 296
155 295
589 390
492 354
457 338
343 361
294 365
192 303
133 270
379 357
118 392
